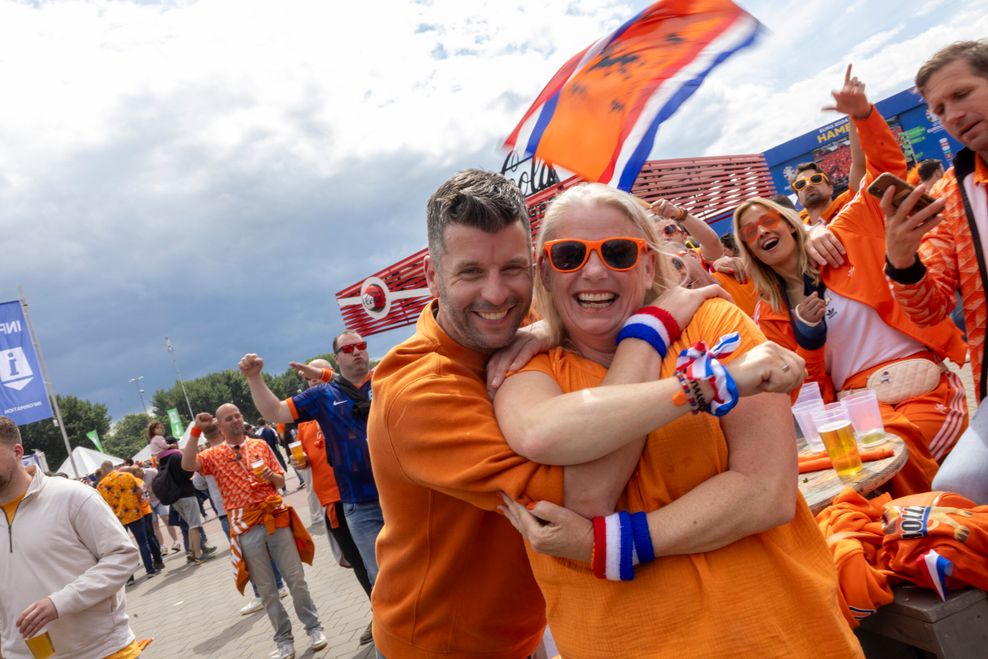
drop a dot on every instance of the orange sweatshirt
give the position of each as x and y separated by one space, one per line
769 594
453 576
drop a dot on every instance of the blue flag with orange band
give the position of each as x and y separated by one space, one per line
600 113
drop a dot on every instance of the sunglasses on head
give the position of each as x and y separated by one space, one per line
571 254
770 221
815 179
670 229
353 346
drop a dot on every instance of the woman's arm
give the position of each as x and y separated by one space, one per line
548 426
756 493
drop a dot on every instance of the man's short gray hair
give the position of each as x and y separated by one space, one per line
475 198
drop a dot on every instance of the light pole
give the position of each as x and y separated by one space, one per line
171 352
140 392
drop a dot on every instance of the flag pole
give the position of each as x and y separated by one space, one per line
44 376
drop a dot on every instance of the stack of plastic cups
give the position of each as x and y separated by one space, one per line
809 400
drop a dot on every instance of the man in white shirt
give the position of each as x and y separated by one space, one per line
65 564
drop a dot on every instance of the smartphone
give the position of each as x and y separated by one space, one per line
903 189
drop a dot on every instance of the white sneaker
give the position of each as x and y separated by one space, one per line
318 639
252 607
283 592
285 651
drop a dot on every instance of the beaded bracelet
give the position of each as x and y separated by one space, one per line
620 541
654 325
697 363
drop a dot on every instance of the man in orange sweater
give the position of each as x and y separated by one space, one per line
454 579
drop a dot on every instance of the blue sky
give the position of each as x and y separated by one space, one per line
216 171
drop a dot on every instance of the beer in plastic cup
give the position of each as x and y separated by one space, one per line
866 416
837 435
40 646
258 467
802 412
297 453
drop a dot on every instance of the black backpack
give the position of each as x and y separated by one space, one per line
163 485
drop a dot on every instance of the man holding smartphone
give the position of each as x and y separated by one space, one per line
940 249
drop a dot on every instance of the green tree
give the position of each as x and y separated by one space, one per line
80 416
129 435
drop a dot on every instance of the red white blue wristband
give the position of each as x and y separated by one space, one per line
654 325
699 363
621 541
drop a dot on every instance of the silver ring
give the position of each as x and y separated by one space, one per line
785 367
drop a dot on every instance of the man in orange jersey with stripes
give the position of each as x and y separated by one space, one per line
262 527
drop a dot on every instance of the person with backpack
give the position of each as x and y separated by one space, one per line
173 487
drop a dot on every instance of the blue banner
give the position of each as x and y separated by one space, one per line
23 396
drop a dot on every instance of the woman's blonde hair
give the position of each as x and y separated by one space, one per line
766 280
589 194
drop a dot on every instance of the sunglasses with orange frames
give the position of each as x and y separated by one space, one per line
815 179
771 220
571 254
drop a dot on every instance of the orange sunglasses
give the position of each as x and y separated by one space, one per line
571 254
771 220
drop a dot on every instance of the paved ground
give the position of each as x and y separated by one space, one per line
194 611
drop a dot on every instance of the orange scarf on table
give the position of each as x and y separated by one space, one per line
274 514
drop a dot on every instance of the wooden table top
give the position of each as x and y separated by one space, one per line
819 488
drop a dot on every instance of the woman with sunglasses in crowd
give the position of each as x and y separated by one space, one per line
726 516
851 332
839 314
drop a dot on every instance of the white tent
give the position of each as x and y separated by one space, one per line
87 460
145 453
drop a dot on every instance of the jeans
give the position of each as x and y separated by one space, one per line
365 521
278 581
147 543
348 547
259 549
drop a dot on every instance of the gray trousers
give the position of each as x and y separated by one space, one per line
259 549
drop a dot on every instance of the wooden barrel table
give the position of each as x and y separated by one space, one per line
819 488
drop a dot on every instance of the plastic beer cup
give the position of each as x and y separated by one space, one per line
837 435
258 468
298 454
40 646
802 412
866 417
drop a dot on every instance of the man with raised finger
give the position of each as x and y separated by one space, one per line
930 256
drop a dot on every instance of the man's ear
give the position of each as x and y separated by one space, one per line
431 276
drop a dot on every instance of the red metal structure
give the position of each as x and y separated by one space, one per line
710 188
